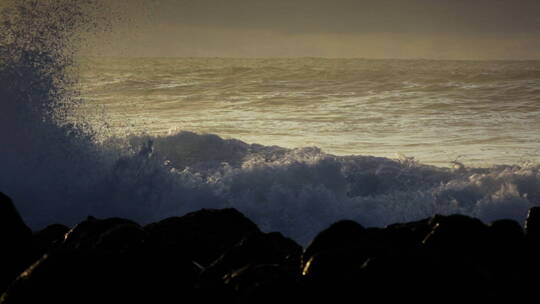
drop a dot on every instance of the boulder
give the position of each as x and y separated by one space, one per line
67 275
457 234
47 239
15 240
408 235
256 249
532 224
59 277
264 283
340 235
13 230
507 234
417 276
89 232
202 236
507 260
330 264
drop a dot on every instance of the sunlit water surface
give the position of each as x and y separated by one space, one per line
477 113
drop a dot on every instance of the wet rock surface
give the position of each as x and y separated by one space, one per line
220 256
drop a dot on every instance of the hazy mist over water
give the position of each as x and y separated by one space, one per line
405 29
480 113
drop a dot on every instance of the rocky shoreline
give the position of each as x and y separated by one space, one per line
211 256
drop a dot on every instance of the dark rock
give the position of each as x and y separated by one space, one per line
461 245
532 224
229 276
333 266
46 239
508 233
418 276
163 276
13 230
267 248
257 249
15 239
340 235
457 233
121 238
266 283
59 277
71 275
506 247
221 256
531 260
333 259
203 235
339 263
407 235
507 260
89 232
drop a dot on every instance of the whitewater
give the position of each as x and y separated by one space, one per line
295 144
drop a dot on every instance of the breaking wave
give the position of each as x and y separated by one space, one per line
57 170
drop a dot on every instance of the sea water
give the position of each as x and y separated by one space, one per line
294 144
478 113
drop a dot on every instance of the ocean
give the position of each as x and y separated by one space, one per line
478 113
294 144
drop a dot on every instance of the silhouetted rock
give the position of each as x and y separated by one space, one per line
507 232
457 233
506 246
532 224
46 239
13 230
87 276
340 235
531 261
163 276
59 277
506 260
332 266
266 283
202 235
461 245
407 235
89 232
419 276
67 275
15 240
332 261
257 249
121 238
212 256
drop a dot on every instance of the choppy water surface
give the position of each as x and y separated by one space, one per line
478 113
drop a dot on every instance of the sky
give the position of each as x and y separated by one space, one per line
432 29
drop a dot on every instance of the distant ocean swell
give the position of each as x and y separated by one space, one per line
59 172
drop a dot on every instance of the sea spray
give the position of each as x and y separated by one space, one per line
56 169
50 162
40 151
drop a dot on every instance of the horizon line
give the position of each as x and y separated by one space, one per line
304 57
